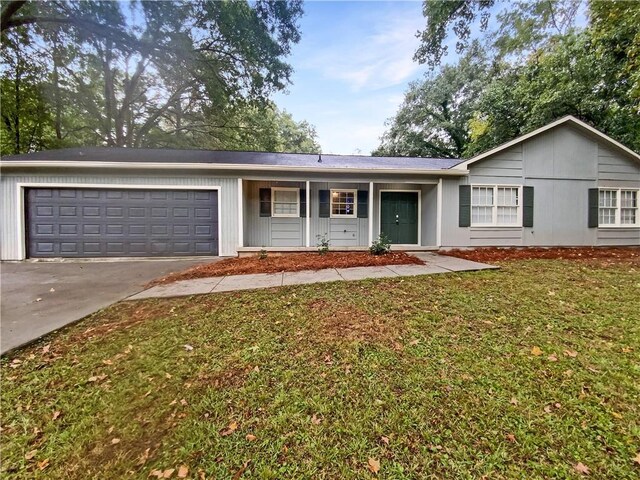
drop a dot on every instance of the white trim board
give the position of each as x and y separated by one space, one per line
568 119
21 186
221 166
419 192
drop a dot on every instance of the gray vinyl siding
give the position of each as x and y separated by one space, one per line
562 164
11 210
341 232
270 231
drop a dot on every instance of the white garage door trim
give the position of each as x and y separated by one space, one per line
22 239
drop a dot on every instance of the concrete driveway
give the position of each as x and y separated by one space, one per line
68 291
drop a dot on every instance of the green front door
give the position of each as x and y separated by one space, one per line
399 217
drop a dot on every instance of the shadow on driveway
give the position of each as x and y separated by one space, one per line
68 291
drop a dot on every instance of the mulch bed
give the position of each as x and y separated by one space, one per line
293 262
488 255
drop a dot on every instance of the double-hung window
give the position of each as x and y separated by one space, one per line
343 203
285 202
618 207
493 205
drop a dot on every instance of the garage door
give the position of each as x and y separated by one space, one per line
82 222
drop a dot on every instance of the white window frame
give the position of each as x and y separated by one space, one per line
494 208
618 208
273 202
355 203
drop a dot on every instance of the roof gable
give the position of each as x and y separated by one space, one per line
569 119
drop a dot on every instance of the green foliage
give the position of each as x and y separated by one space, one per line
567 79
434 116
542 68
263 254
380 245
323 244
441 16
154 73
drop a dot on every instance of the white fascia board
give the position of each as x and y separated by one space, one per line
522 138
219 166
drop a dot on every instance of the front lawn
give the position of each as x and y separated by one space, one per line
531 371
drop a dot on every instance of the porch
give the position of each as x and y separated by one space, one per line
284 215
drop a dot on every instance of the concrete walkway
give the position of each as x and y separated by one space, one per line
434 263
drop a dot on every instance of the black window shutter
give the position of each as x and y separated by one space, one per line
303 203
324 204
464 205
594 198
265 202
363 203
527 206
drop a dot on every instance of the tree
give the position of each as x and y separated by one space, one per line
433 120
140 67
522 27
567 79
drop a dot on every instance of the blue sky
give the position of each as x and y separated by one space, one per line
352 66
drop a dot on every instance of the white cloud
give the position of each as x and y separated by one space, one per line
377 57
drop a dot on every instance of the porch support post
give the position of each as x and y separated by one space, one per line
240 214
308 217
370 213
439 213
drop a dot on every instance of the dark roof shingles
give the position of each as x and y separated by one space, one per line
126 155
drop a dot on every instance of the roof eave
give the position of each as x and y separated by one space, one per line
222 166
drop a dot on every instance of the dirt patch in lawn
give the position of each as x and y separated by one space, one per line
601 255
293 262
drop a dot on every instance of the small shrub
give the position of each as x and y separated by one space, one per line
323 244
380 245
263 254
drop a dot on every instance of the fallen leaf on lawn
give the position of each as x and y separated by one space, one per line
250 437
183 402
46 348
637 458
374 465
188 348
616 414
582 468
626 350
552 358
168 472
385 440
513 401
536 351
239 473
557 405
571 353
56 414
30 455
233 426
174 402
107 362
547 409
43 464
551 293
256 369
511 437
115 441
167 375
183 471
414 342
144 457
155 473
315 420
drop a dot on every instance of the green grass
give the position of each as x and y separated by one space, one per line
442 366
